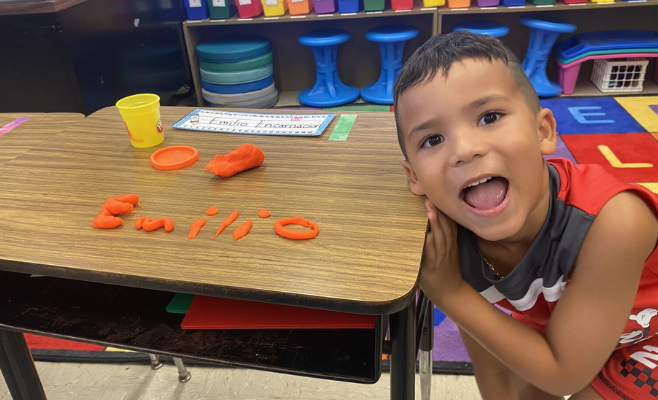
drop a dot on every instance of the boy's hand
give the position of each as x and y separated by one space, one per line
439 273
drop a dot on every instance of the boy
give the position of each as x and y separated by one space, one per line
566 248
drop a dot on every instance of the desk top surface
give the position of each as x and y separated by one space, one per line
365 259
22 135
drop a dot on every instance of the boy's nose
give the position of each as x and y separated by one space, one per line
467 145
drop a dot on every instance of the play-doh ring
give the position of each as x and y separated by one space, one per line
281 230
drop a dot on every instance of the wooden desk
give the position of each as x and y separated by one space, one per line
39 127
365 259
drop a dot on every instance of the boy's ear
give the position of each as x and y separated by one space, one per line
413 179
547 131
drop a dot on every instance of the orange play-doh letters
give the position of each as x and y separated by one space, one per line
228 221
158 223
242 230
117 207
196 227
140 222
106 219
281 230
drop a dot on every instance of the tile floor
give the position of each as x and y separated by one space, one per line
70 381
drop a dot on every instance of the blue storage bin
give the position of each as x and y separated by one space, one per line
349 6
513 3
196 9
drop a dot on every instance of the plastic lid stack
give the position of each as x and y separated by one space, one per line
236 72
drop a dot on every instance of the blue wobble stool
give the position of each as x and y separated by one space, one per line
543 34
391 40
328 90
490 28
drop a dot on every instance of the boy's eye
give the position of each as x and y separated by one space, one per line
432 141
489 118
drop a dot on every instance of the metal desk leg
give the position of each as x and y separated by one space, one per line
426 346
403 363
155 361
183 374
8 374
18 367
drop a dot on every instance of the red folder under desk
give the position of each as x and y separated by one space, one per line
220 313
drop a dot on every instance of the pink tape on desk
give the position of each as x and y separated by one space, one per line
13 124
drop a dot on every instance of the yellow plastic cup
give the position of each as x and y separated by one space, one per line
141 115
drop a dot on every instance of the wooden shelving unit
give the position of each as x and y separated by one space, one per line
294 67
359 59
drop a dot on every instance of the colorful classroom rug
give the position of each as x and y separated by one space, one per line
620 133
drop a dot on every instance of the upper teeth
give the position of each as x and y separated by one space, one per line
480 181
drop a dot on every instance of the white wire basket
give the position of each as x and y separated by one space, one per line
619 74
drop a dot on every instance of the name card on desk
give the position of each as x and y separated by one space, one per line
219 313
255 123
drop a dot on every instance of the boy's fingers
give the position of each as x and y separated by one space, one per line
444 222
450 230
430 237
430 247
438 234
448 227
439 218
432 216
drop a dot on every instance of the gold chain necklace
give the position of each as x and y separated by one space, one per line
491 267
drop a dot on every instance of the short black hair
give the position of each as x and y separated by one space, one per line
442 51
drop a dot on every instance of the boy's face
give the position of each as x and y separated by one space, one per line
476 126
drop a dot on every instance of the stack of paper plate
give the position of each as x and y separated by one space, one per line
236 71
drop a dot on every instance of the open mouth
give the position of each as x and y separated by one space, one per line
485 194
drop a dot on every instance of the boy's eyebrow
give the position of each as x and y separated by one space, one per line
486 99
425 125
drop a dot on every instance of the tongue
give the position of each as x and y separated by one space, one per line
486 195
